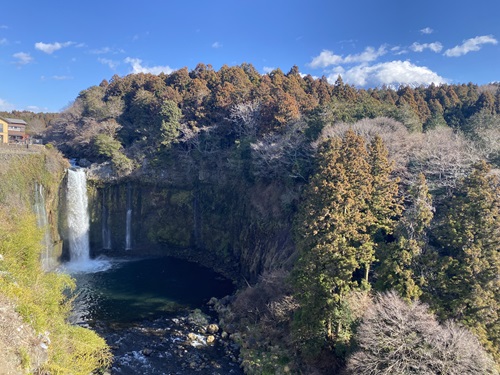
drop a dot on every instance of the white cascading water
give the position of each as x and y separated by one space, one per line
78 217
47 258
78 226
128 223
128 242
106 232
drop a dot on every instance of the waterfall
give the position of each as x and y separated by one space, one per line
128 223
78 217
106 232
46 258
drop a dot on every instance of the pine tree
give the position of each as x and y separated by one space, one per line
470 243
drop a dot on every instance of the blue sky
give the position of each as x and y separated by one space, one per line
51 50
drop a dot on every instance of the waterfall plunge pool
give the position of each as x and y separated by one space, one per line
143 308
123 291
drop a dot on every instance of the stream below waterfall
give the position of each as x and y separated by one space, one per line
153 313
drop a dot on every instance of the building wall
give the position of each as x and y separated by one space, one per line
4 133
17 133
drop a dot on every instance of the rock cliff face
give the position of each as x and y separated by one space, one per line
238 228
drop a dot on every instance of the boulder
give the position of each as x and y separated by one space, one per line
212 328
84 163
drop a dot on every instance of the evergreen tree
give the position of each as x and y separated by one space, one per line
332 237
485 102
384 203
469 236
497 100
399 259
170 114
342 91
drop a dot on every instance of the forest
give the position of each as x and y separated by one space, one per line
390 198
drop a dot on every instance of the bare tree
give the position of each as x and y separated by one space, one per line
246 118
397 139
400 338
286 153
444 156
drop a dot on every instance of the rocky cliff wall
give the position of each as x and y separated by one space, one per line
235 227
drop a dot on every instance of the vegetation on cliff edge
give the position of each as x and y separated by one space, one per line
40 297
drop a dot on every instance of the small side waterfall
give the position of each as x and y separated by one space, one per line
128 224
47 258
78 217
106 231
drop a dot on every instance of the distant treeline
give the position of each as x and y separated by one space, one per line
37 122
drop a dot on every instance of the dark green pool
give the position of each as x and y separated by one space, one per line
133 290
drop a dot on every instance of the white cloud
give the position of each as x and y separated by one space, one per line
324 59
3 42
136 37
305 75
435 47
35 108
138 68
105 50
217 45
387 73
51 47
426 30
55 78
268 69
397 50
101 51
6 106
5 27
61 78
111 63
328 58
23 58
469 45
